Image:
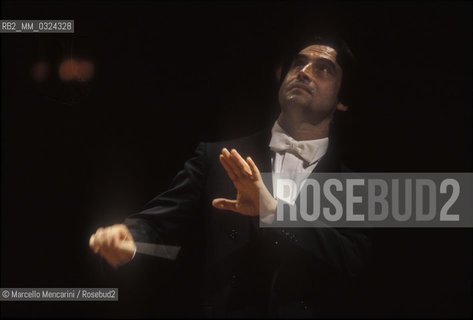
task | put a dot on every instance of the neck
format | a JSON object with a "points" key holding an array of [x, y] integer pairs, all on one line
{"points": [[301, 129]]}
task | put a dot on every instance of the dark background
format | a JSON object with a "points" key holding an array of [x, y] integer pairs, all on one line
{"points": [[76, 156]]}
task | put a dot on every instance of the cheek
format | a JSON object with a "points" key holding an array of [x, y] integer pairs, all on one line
{"points": [[282, 88], [331, 89], [281, 94], [328, 95]]}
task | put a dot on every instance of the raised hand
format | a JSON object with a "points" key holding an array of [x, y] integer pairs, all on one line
{"points": [[247, 180]]}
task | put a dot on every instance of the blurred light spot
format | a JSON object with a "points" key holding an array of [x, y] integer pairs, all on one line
{"points": [[68, 70], [80, 70]]}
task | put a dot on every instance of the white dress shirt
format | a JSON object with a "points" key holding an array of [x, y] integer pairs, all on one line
{"points": [[287, 158]]}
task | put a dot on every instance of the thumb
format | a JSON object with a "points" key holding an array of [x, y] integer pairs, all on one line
{"points": [[225, 204], [127, 246]]}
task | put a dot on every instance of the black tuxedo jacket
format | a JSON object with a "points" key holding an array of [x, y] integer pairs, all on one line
{"points": [[239, 269]]}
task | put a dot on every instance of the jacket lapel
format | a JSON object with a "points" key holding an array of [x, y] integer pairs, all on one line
{"points": [[330, 162]]}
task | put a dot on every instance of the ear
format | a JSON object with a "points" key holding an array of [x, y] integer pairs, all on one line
{"points": [[341, 107]]}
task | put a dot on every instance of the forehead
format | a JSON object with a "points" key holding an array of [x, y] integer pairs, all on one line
{"points": [[320, 51]]}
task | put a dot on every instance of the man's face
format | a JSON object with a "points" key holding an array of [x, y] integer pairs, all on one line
{"points": [[313, 81]]}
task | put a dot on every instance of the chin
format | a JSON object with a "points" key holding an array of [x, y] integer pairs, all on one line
{"points": [[297, 101]]}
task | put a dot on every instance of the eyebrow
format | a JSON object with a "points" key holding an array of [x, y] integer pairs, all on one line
{"points": [[303, 57], [300, 57]]}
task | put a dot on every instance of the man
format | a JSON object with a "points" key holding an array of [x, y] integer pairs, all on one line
{"points": [[245, 270]]}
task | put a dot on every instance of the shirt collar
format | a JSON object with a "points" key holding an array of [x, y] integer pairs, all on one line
{"points": [[317, 148]]}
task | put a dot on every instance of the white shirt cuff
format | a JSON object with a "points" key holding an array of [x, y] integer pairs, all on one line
{"points": [[269, 219]]}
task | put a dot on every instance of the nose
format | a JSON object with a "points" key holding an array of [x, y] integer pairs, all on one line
{"points": [[305, 73]]}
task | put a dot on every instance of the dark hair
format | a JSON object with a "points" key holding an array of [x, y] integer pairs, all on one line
{"points": [[345, 58]]}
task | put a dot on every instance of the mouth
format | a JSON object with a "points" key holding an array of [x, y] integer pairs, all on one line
{"points": [[301, 87]]}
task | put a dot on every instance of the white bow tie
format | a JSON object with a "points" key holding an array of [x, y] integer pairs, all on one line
{"points": [[309, 151]]}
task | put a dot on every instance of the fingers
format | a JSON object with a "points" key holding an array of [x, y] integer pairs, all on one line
{"points": [[227, 167], [114, 239], [234, 162], [231, 163], [254, 169], [92, 243], [107, 237], [225, 204], [97, 240], [240, 163]]}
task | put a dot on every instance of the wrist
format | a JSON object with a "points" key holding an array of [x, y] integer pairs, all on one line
{"points": [[269, 206]]}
